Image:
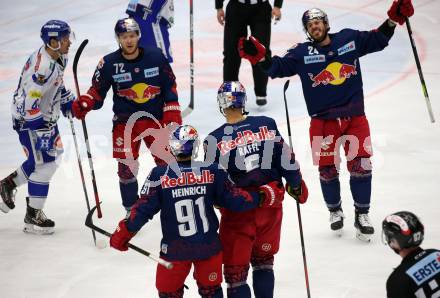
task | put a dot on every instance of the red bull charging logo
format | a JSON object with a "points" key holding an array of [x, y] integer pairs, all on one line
{"points": [[140, 92], [335, 74]]}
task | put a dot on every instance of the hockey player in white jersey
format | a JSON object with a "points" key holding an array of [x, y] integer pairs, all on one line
{"points": [[37, 102]]}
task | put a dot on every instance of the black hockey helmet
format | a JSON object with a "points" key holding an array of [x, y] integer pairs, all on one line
{"points": [[403, 228]]}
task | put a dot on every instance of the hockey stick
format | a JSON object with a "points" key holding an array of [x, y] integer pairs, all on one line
{"points": [[190, 106], [89, 224], [81, 172], [306, 274], [419, 69], [84, 126]]}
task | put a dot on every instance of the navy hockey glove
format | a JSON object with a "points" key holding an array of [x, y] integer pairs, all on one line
{"points": [[44, 139], [272, 194], [251, 49], [120, 238], [66, 108], [299, 193], [400, 10], [67, 99]]}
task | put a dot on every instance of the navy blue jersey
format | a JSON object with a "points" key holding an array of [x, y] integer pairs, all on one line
{"points": [[417, 276], [331, 75], [253, 152], [142, 84], [186, 203]]}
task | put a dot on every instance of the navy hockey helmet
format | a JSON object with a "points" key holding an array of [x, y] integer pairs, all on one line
{"points": [[184, 141], [314, 14], [127, 25], [403, 228], [231, 94], [54, 29]]}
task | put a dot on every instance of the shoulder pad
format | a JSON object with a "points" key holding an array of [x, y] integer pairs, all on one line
{"points": [[43, 69], [100, 63]]}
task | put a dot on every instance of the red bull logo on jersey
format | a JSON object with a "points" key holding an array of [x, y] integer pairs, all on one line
{"points": [[335, 74], [246, 137], [187, 179], [140, 92]]}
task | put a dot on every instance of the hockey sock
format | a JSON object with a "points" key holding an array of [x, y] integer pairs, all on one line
{"points": [[241, 291], [263, 278], [235, 277], [360, 183], [211, 292], [128, 184], [129, 193], [331, 189], [361, 192], [263, 282]]}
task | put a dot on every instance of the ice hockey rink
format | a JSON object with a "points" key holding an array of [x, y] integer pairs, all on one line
{"points": [[406, 153]]}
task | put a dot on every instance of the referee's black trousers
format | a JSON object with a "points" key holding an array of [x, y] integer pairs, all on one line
{"points": [[237, 19]]}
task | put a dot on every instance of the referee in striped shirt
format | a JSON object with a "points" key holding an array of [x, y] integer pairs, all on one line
{"points": [[257, 14]]}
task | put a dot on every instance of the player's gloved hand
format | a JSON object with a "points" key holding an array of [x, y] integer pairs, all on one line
{"points": [[120, 238], [251, 49], [299, 193], [66, 108], [171, 113], [400, 10], [272, 194], [67, 98], [82, 106], [45, 139]]}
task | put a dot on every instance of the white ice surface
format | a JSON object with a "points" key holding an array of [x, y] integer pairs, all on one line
{"points": [[406, 147]]}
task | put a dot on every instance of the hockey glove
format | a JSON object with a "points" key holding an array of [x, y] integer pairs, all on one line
{"points": [[82, 106], [400, 10], [45, 139], [272, 194], [251, 49], [120, 238], [299, 193], [171, 113], [67, 99]]}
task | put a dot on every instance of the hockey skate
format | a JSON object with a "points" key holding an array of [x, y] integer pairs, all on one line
{"points": [[364, 228], [36, 222], [7, 192], [261, 100], [337, 221]]}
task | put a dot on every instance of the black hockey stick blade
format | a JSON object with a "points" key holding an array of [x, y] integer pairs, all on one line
{"points": [[286, 85], [89, 223], [77, 55], [289, 131]]}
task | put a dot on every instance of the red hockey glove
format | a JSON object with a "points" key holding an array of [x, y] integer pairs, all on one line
{"points": [[299, 193], [171, 113], [400, 10], [251, 49], [272, 193], [120, 238], [82, 106]]}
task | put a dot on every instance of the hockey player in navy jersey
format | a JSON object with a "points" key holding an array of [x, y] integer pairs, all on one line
{"points": [[418, 275], [329, 69], [253, 152], [154, 17], [144, 101], [37, 102], [185, 194]]}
